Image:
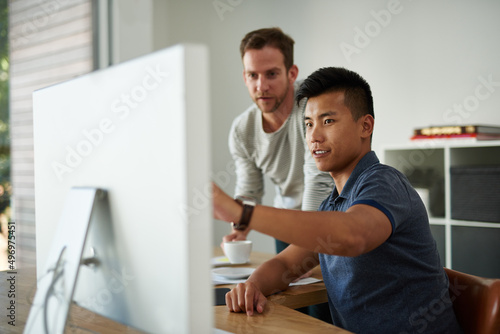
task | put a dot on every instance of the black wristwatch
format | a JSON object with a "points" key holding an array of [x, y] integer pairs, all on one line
{"points": [[248, 205]]}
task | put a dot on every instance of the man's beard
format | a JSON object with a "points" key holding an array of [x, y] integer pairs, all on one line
{"points": [[279, 102]]}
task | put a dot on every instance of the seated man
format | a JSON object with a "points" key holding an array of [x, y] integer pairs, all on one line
{"points": [[371, 236]]}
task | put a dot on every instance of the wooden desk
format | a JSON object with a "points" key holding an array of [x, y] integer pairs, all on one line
{"points": [[275, 319], [278, 317]]}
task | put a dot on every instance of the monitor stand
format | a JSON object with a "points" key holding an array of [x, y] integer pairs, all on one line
{"points": [[56, 285]]}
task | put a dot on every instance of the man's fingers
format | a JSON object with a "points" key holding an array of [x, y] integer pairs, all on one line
{"points": [[232, 302], [229, 237], [232, 237], [249, 301], [226, 238], [260, 302], [245, 297], [229, 302], [241, 291]]}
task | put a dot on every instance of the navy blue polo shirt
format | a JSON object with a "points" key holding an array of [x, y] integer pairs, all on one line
{"points": [[399, 287]]}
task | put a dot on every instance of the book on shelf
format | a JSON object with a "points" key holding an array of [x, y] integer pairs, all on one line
{"points": [[477, 132]]}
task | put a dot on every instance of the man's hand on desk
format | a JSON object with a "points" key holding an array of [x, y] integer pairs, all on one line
{"points": [[246, 297]]}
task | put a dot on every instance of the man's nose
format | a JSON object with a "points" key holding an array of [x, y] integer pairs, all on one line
{"points": [[262, 84], [315, 135]]}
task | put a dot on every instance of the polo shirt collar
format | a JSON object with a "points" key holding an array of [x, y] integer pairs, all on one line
{"points": [[367, 161]]}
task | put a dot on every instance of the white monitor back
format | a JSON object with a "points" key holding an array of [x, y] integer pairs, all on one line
{"points": [[141, 131]]}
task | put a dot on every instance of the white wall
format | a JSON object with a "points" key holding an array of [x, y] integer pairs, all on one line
{"points": [[132, 29], [427, 63]]}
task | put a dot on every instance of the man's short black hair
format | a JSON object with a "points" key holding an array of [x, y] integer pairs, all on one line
{"points": [[357, 93]]}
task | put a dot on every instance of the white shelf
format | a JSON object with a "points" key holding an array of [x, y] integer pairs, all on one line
{"points": [[455, 222], [438, 221], [424, 160], [474, 224]]}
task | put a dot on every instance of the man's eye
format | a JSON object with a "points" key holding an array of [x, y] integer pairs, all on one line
{"points": [[308, 124], [327, 121]]}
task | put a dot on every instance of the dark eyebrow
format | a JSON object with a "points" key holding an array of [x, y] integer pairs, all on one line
{"points": [[274, 69], [323, 115]]}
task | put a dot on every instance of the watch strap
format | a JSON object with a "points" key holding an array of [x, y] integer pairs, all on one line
{"points": [[246, 214]]}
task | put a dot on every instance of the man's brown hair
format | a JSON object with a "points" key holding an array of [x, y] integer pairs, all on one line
{"points": [[273, 37]]}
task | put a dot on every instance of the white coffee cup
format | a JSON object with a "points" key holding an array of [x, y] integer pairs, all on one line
{"points": [[238, 251]]}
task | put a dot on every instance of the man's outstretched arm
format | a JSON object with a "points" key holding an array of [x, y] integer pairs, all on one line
{"points": [[359, 230]]}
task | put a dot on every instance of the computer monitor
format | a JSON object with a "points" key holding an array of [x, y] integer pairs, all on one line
{"points": [[139, 131]]}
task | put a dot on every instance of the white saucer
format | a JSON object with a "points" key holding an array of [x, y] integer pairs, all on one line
{"points": [[224, 261], [233, 273]]}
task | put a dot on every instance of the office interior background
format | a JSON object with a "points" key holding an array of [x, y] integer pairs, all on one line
{"points": [[428, 62]]}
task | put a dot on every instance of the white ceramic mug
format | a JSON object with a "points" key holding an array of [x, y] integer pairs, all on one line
{"points": [[238, 251]]}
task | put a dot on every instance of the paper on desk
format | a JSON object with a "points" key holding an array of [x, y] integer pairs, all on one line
{"points": [[224, 261], [305, 281], [218, 280]]}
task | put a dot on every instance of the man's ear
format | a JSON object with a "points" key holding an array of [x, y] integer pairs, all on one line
{"points": [[293, 73], [367, 123]]}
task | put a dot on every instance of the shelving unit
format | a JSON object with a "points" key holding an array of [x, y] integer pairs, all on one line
{"points": [[466, 245]]}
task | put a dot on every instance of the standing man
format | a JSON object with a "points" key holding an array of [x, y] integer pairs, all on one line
{"points": [[371, 236], [269, 137]]}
